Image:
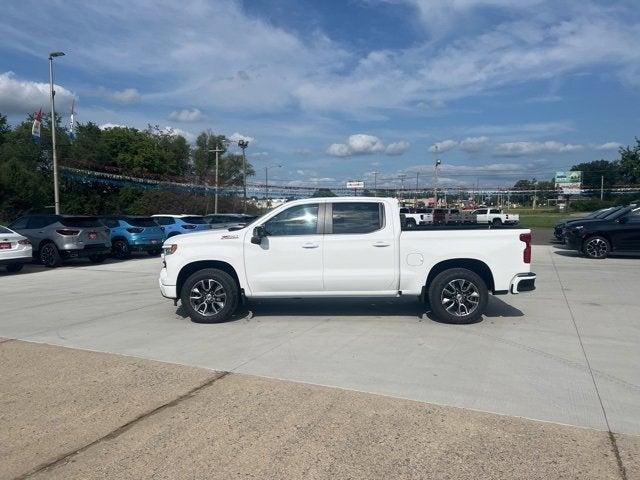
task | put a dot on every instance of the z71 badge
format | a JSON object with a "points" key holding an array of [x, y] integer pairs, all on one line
{"points": [[229, 237]]}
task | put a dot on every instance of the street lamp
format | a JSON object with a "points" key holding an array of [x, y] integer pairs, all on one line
{"points": [[56, 192], [217, 151], [243, 144], [266, 181]]}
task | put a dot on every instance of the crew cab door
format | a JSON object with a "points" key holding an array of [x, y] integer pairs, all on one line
{"points": [[360, 249], [289, 258], [626, 232]]}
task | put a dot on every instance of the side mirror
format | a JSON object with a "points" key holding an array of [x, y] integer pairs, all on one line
{"points": [[258, 234], [623, 220]]}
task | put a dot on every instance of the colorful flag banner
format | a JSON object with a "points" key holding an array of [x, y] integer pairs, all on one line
{"points": [[35, 129], [72, 132]]}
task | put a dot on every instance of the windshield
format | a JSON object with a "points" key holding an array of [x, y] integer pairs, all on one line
{"points": [[80, 222], [613, 213]]}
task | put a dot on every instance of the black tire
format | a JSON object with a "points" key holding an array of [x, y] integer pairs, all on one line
{"points": [[154, 252], [411, 223], [496, 222], [211, 278], [120, 249], [14, 267], [596, 247], [49, 255], [461, 279], [97, 258], [173, 234]]}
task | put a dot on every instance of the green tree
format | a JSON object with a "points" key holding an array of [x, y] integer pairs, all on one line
{"points": [[596, 171], [630, 163]]}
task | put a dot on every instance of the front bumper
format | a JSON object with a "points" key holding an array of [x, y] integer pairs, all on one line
{"points": [[167, 291], [523, 282], [146, 246]]}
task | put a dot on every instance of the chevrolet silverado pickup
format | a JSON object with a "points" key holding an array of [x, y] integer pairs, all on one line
{"points": [[345, 247]]}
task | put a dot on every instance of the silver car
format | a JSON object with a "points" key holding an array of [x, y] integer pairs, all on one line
{"points": [[15, 250], [58, 237]]}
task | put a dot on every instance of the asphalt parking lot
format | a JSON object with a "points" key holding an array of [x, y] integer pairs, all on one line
{"points": [[567, 353]]}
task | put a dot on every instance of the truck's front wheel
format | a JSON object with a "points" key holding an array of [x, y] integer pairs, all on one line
{"points": [[458, 296], [210, 296]]}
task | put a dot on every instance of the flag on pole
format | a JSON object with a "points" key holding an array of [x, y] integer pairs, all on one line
{"points": [[35, 129], [72, 133]]}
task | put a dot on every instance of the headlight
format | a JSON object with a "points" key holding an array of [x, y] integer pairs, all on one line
{"points": [[169, 249]]}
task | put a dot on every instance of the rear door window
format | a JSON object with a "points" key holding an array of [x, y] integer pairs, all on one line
{"points": [[495, 211], [141, 222], [165, 220], [194, 220], [40, 222], [356, 217], [110, 222]]}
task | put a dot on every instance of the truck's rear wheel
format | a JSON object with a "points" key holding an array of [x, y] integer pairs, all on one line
{"points": [[210, 296], [496, 222], [458, 296], [411, 223]]}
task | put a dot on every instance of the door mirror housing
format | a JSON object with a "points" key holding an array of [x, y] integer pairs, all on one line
{"points": [[258, 234]]}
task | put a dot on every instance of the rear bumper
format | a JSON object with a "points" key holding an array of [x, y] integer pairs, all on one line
{"points": [[523, 282], [86, 251], [16, 260]]}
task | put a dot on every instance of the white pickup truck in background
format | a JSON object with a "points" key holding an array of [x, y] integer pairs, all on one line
{"points": [[496, 217], [345, 247]]}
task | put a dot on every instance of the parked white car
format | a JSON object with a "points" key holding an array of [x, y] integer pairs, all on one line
{"points": [[344, 247], [495, 216], [15, 250]]}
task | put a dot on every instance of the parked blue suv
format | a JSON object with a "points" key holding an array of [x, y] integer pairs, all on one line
{"points": [[133, 234], [176, 224]]}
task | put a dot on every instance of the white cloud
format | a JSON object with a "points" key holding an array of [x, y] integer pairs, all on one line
{"points": [[397, 148], [358, 144], [106, 126], [23, 97], [128, 95], [608, 146], [473, 144], [189, 137], [236, 137], [186, 115], [516, 149], [443, 146]]}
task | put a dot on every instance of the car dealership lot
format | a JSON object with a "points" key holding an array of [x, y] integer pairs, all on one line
{"points": [[524, 359]]}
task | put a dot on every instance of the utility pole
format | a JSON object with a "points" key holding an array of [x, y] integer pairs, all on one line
{"points": [[601, 187], [243, 144], [375, 183], [416, 196], [402, 176], [56, 191], [436, 167]]}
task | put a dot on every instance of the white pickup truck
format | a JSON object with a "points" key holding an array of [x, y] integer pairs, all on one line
{"points": [[344, 247], [496, 217]]}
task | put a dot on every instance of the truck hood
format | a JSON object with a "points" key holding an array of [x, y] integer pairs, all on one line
{"points": [[207, 236]]}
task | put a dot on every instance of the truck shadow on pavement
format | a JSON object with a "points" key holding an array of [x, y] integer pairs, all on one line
{"points": [[352, 307]]}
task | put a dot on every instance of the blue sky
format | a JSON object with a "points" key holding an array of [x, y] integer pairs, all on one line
{"points": [[332, 91]]}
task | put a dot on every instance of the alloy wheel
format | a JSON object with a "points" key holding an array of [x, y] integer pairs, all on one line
{"points": [[597, 248], [47, 254], [207, 297], [460, 297]]}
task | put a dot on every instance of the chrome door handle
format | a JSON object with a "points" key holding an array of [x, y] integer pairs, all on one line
{"points": [[310, 245], [381, 244]]}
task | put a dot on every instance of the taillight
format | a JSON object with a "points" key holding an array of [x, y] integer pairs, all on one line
{"points": [[526, 255], [66, 231], [24, 242], [188, 227], [135, 230]]}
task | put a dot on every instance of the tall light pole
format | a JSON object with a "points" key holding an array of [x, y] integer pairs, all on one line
{"points": [[375, 183], [56, 191], [416, 196], [436, 168], [243, 144], [217, 151], [266, 181]]}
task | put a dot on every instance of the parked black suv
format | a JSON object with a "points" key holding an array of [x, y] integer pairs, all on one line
{"points": [[617, 232], [560, 227], [56, 237]]}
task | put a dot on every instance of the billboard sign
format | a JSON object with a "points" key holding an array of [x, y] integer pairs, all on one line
{"points": [[355, 184], [569, 183]]}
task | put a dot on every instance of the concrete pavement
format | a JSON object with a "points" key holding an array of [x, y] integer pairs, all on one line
{"points": [[567, 353], [74, 414]]}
